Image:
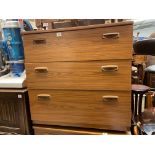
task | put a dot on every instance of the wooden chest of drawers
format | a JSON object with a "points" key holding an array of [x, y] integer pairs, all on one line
{"points": [[80, 77]]}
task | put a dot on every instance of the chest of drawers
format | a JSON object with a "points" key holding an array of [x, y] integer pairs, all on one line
{"points": [[80, 77]]}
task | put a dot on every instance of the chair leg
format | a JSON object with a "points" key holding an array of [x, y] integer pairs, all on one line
{"points": [[140, 104], [136, 100], [132, 105]]}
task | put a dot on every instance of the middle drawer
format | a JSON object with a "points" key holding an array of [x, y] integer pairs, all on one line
{"points": [[91, 75]]}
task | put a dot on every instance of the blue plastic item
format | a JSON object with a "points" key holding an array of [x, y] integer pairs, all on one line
{"points": [[14, 43], [17, 68]]}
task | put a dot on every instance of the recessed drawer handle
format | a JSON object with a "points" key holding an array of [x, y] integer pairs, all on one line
{"points": [[109, 68], [113, 35], [44, 96], [39, 41], [110, 98], [41, 69]]}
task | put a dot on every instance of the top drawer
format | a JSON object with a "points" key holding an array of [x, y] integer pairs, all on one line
{"points": [[79, 45]]}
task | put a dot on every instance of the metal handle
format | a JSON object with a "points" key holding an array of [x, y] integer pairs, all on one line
{"points": [[109, 68], [113, 35], [39, 41], [41, 69], [44, 96], [110, 98]]}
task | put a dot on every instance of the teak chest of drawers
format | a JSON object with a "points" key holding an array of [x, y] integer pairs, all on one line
{"points": [[80, 77]]}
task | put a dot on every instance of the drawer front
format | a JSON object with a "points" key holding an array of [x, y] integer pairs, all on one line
{"points": [[95, 75], [79, 45], [92, 109]]}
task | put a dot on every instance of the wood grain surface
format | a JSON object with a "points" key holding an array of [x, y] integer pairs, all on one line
{"points": [[81, 108], [63, 131], [81, 45], [79, 75]]}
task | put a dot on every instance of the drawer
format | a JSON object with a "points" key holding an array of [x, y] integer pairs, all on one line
{"points": [[79, 45], [72, 131], [95, 75], [90, 109]]}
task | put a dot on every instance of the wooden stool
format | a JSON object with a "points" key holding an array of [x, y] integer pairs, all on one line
{"points": [[137, 95], [138, 91]]}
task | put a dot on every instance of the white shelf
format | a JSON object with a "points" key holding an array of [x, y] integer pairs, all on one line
{"points": [[7, 81]]}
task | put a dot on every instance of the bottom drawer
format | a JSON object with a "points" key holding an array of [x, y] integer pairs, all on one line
{"points": [[88, 109], [75, 131]]}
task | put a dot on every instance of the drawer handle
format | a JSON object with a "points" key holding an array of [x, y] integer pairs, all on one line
{"points": [[44, 96], [110, 98], [41, 69], [39, 41], [109, 68], [113, 35]]}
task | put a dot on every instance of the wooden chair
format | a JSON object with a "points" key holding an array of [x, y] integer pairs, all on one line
{"points": [[138, 92], [140, 117]]}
